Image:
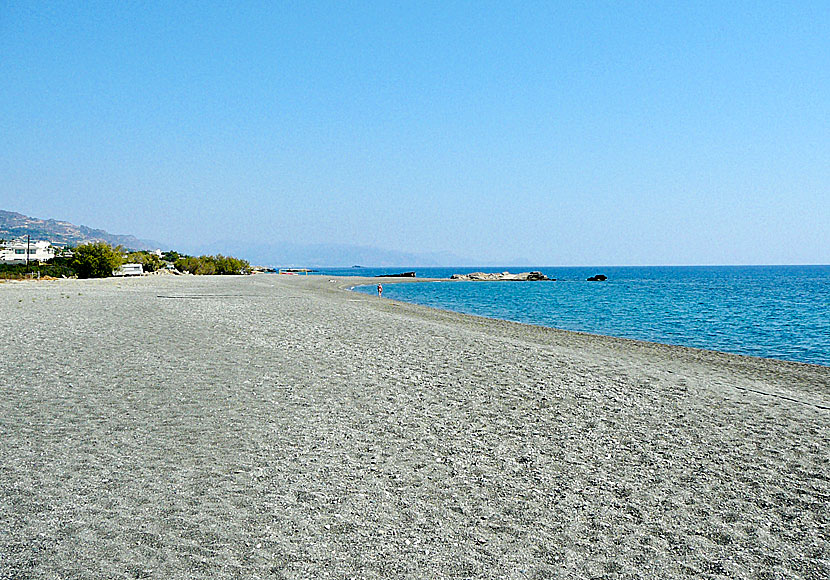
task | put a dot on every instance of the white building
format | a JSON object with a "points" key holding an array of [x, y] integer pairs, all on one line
{"points": [[14, 252]]}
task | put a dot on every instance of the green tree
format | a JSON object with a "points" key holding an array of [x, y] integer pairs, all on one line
{"points": [[201, 266], [213, 265], [96, 260], [150, 262]]}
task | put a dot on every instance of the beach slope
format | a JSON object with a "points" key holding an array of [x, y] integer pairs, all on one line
{"points": [[280, 427]]}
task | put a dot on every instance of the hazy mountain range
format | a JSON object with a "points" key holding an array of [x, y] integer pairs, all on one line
{"points": [[285, 254], [288, 254], [15, 225]]}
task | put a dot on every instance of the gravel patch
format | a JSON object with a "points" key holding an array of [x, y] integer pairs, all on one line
{"points": [[280, 427]]}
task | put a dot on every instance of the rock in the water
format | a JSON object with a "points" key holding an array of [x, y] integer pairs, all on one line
{"points": [[598, 278], [500, 277]]}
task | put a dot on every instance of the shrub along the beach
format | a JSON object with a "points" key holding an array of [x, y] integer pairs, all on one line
{"points": [[96, 260], [218, 264], [18, 271], [150, 262]]}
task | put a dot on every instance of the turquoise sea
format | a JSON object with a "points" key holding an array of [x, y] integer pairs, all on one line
{"points": [[780, 312]]}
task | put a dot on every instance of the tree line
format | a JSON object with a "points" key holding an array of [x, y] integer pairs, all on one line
{"points": [[100, 260]]}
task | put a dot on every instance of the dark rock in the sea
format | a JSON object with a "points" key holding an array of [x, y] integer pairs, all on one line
{"points": [[598, 278], [401, 275]]}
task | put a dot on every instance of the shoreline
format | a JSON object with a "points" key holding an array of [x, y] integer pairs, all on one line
{"points": [[240, 426], [369, 282]]}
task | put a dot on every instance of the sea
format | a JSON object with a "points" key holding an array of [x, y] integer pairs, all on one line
{"points": [[780, 312]]}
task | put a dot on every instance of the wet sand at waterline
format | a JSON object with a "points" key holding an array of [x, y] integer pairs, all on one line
{"points": [[281, 427]]}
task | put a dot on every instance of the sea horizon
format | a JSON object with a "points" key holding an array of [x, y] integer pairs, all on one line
{"points": [[352, 270]]}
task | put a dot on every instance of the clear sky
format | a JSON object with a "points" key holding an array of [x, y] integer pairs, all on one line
{"points": [[558, 133]]}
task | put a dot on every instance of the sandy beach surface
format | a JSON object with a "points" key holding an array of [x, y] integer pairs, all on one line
{"points": [[280, 427]]}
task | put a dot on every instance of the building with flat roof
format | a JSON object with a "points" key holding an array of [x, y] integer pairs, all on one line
{"points": [[19, 252]]}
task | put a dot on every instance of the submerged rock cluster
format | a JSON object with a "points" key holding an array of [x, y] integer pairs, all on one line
{"points": [[500, 276]]}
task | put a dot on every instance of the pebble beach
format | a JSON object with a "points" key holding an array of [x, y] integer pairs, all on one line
{"points": [[282, 427]]}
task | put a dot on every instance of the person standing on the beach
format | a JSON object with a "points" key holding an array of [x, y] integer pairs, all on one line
{"points": [[380, 290]]}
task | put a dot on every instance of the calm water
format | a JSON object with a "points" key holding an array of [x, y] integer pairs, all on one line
{"points": [[778, 312]]}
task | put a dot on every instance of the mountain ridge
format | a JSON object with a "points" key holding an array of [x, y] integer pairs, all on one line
{"points": [[290, 254], [16, 225]]}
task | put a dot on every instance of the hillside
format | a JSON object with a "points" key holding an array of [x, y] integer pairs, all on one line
{"points": [[15, 225]]}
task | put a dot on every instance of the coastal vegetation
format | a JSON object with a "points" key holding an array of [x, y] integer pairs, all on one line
{"points": [[56, 268], [148, 260], [100, 260], [218, 264], [96, 260]]}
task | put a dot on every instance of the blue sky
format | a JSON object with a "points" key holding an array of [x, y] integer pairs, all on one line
{"points": [[549, 133]]}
